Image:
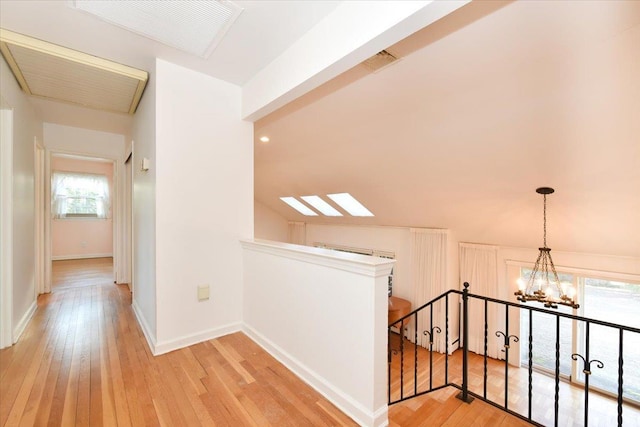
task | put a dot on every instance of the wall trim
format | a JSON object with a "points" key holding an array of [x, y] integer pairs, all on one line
{"points": [[22, 324], [191, 339], [86, 256], [354, 263], [146, 330], [346, 404]]}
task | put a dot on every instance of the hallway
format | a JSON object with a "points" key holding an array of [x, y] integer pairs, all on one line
{"points": [[84, 361], [75, 273]]}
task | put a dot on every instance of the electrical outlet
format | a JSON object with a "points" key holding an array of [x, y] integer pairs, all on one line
{"points": [[203, 292], [83, 244]]}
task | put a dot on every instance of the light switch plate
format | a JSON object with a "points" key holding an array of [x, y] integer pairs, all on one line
{"points": [[203, 292]]}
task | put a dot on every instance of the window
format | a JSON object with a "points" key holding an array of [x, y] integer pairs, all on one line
{"points": [[602, 299], [614, 302], [79, 195], [544, 334]]}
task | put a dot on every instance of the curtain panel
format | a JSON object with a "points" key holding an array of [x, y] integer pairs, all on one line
{"points": [[428, 274], [297, 233], [68, 186], [479, 267]]}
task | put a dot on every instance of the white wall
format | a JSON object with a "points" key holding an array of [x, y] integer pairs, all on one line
{"points": [[27, 125], [204, 204], [91, 143], [392, 239], [324, 315], [144, 213], [268, 224]]}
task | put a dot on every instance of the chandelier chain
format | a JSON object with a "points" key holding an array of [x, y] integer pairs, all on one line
{"points": [[544, 224]]}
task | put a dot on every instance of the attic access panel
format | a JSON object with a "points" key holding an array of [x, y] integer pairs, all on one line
{"points": [[54, 72]]}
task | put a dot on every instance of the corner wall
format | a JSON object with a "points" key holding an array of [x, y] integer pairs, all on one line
{"points": [[323, 314], [27, 126], [203, 166], [144, 213]]}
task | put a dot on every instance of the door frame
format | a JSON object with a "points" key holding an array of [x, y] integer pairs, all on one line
{"points": [[116, 214], [6, 225]]}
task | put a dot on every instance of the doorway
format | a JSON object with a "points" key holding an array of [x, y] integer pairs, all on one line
{"points": [[81, 224]]}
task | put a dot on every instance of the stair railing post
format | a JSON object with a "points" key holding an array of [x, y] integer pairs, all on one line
{"points": [[464, 394]]}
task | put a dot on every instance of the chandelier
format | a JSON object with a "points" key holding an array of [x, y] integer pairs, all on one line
{"points": [[544, 285]]}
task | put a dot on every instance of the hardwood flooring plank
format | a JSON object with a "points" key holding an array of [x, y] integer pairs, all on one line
{"points": [[83, 360]]}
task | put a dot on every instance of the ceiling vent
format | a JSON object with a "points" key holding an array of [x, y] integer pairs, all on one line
{"points": [[57, 73], [379, 61], [194, 27]]}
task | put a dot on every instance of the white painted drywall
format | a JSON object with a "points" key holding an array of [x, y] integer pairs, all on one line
{"points": [[27, 125], [268, 224], [353, 32], [87, 142], [144, 213], [324, 315], [203, 166]]}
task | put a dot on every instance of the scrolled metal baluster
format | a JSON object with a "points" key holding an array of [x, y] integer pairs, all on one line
{"points": [[507, 341], [620, 371], [430, 335], [586, 369]]}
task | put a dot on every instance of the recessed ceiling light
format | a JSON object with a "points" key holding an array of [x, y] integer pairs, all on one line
{"points": [[264, 138], [298, 205], [347, 202], [324, 207], [192, 26]]}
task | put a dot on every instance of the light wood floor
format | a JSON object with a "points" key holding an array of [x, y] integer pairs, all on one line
{"points": [[84, 361], [74, 273], [602, 409]]}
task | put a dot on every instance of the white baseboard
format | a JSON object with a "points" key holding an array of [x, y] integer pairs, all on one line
{"points": [[345, 403], [146, 330], [22, 324], [187, 340], [84, 256]]}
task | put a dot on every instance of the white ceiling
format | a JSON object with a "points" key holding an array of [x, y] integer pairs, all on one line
{"points": [[486, 105], [263, 30]]}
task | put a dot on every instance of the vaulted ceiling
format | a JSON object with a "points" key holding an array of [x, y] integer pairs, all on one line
{"points": [[483, 107]]}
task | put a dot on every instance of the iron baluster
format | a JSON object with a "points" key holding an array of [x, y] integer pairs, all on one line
{"points": [[486, 339], [530, 361], [507, 341], [464, 394], [587, 372], [415, 352], [446, 339], [620, 390], [401, 359], [556, 404], [430, 335]]}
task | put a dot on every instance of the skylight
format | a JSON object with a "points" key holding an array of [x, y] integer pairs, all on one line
{"points": [[298, 205], [347, 202], [195, 27], [324, 207]]}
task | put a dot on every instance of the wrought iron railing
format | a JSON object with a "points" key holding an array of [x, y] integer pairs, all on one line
{"points": [[410, 376]]}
